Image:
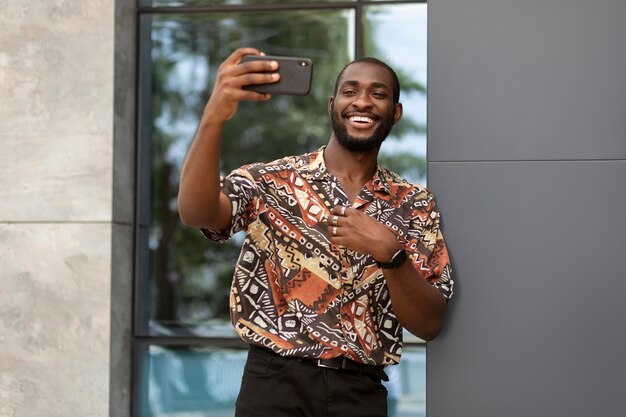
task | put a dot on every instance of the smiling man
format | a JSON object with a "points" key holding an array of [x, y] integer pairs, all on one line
{"points": [[340, 253]]}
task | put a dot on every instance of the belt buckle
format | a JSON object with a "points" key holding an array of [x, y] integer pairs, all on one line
{"points": [[321, 364]]}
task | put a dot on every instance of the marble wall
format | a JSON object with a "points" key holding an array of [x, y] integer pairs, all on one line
{"points": [[55, 319], [59, 236]]}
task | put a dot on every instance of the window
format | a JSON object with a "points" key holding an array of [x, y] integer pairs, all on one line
{"points": [[189, 360]]}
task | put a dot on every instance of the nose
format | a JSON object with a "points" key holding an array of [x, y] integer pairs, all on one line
{"points": [[362, 101]]}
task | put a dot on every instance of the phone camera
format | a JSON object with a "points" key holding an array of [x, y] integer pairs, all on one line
{"points": [[303, 63]]}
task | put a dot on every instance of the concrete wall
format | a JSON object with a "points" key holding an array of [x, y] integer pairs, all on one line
{"points": [[527, 156], [60, 231]]}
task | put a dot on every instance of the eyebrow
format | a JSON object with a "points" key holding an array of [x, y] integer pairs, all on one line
{"points": [[373, 85]]}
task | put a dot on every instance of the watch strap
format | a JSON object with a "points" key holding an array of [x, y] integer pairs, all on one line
{"points": [[396, 261]]}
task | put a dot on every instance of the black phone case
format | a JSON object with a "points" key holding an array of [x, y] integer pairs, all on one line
{"points": [[295, 75]]}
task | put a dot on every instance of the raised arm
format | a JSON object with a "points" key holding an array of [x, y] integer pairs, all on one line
{"points": [[200, 202]]}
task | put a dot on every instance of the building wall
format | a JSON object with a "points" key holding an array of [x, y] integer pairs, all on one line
{"points": [[527, 156], [58, 220]]}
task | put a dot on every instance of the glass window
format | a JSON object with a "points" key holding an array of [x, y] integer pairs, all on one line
{"points": [[189, 361], [189, 381], [204, 381], [397, 35]]}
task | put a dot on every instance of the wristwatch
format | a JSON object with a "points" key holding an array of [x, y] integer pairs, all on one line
{"points": [[396, 261]]}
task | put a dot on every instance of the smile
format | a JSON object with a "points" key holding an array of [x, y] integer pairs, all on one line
{"points": [[360, 119]]}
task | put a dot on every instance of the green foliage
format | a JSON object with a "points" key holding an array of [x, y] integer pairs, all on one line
{"points": [[409, 165]]}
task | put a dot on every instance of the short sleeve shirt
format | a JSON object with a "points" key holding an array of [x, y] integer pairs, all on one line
{"points": [[294, 292]]}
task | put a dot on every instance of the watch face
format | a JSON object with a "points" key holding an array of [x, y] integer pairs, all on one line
{"points": [[396, 261]]}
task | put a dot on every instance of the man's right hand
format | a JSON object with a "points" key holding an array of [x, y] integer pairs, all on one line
{"points": [[231, 77]]}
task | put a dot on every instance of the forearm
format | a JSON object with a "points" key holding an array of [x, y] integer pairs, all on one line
{"points": [[200, 202], [419, 306], [199, 192]]}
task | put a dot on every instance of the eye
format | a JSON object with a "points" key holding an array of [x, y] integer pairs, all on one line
{"points": [[349, 92], [379, 94]]}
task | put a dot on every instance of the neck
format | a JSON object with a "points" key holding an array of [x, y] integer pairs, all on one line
{"points": [[347, 165]]}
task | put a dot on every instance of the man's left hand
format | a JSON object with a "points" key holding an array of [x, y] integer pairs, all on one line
{"points": [[355, 230]]}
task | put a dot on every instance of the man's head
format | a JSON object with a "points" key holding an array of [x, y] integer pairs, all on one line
{"points": [[374, 61], [365, 105]]}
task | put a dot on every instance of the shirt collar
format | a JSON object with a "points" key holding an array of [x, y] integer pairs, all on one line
{"points": [[315, 170], [382, 180]]}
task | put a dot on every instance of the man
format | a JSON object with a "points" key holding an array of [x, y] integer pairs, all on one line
{"points": [[339, 255]]}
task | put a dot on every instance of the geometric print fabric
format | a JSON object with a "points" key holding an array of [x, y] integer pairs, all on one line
{"points": [[294, 292]]}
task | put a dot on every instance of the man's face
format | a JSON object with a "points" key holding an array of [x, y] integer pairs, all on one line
{"points": [[362, 111]]}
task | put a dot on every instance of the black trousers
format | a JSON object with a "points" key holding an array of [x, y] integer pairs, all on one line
{"points": [[274, 386]]}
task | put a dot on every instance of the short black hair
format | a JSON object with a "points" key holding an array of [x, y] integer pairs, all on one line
{"points": [[375, 61]]}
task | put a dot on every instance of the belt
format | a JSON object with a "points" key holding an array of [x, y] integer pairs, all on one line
{"points": [[339, 362]]}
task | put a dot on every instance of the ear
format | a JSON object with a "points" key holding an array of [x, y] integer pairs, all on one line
{"points": [[331, 104], [397, 113]]}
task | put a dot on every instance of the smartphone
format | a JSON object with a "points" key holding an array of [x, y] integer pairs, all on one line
{"points": [[295, 75]]}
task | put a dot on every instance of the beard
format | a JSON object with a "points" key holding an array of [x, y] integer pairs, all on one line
{"points": [[360, 144]]}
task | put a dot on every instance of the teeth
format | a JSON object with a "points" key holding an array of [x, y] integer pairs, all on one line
{"points": [[361, 119]]}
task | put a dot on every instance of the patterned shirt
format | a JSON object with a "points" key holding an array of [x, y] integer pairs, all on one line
{"points": [[296, 294]]}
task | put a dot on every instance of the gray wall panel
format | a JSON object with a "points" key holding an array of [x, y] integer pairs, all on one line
{"points": [[537, 326], [526, 80], [527, 157]]}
